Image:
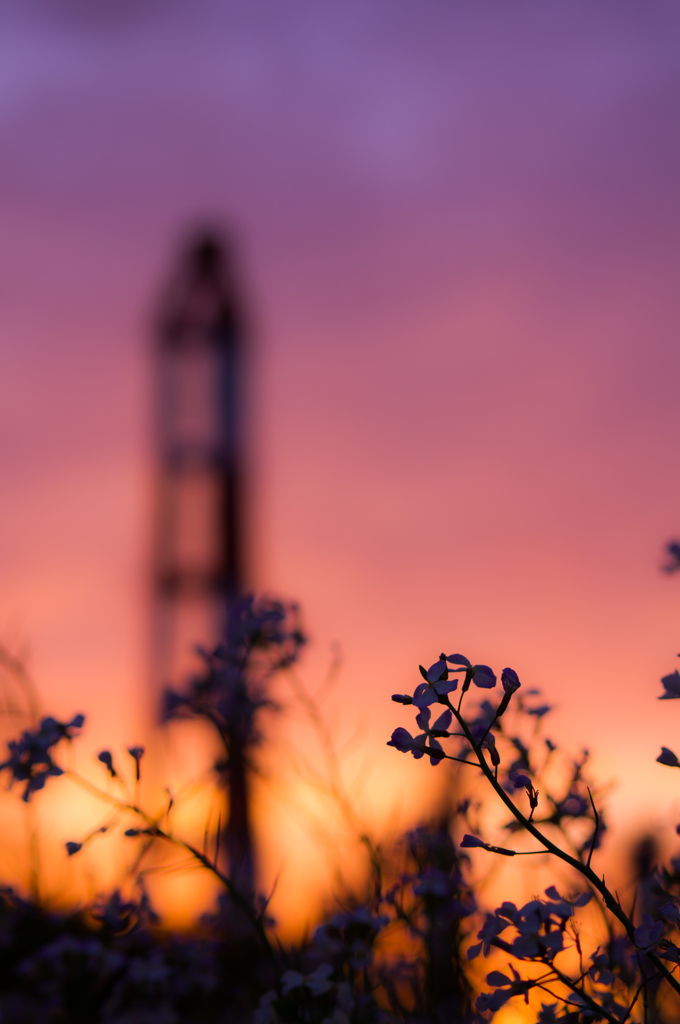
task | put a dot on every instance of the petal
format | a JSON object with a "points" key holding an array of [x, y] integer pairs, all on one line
{"points": [[433, 757], [670, 912], [424, 695], [469, 841], [484, 677], [671, 684], [423, 719], [443, 722], [437, 671], [497, 979], [519, 780], [401, 739], [446, 686]]}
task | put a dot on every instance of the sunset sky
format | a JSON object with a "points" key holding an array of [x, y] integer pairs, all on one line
{"points": [[459, 227]]}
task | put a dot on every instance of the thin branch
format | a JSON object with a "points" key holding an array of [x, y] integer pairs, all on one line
{"points": [[157, 832], [611, 903], [597, 827]]}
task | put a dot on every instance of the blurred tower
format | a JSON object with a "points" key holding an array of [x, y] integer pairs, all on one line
{"points": [[198, 538]]}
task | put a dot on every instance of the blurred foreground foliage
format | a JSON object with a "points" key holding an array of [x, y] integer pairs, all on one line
{"points": [[418, 940]]}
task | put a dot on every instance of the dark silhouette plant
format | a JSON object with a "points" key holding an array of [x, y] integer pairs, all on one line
{"points": [[404, 945]]}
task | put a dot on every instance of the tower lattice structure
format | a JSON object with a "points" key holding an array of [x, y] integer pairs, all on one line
{"points": [[198, 538]]}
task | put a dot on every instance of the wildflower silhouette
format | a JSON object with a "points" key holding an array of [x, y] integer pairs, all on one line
{"points": [[408, 943], [543, 933]]}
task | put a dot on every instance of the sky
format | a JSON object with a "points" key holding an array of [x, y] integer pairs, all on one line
{"points": [[458, 230]]}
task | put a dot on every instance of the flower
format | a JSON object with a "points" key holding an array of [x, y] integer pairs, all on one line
{"points": [[438, 672], [505, 988], [492, 927], [404, 742], [540, 711], [579, 901], [648, 934], [430, 732], [317, 982], [424, 694], [510, 680], [30, 757], [673, 551], [136, 753], [492, 1000], [469, 841], [106, 759], [671, 913], [518, 780], [600, 972], [401, 740], [521, 781], [671, 684], [437, 684]]}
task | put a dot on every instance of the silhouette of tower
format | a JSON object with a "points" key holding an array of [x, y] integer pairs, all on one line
{"points": [[198, 540]]}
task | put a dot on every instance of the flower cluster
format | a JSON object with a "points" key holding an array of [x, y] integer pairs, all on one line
{"points": [[30, 758], [640, 953], [414, 939], [263, 636]]}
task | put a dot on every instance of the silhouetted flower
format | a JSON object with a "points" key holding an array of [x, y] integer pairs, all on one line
{"points": [[106, 759], [521, 781], [30, 757], [673, 551], [492, 1000], [648, 934], [540, 711], [493, 927], [136, 754], [671, 912], [317, 982], [510, 680], [470, 841], [402, 740], [671, 684]]}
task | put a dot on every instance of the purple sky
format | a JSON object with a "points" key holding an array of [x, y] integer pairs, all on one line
{"points": [[460, 235]]}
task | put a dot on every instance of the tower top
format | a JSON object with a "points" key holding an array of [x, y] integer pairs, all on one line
{"points": [[200, 308], [205, 257]]}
